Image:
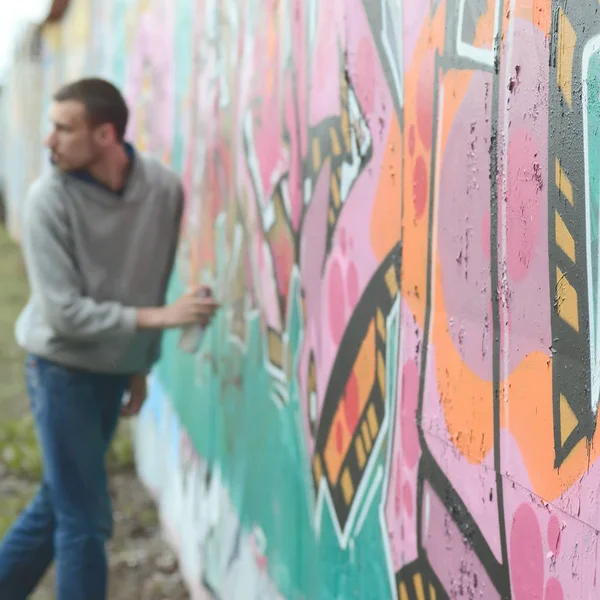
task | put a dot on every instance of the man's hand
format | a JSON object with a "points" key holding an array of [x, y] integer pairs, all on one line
{"points": [[138, 391], [190, 309]]}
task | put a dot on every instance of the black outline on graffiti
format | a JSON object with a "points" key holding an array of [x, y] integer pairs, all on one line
{"points": [[571, 360], [376, 297], [347, 154], [429, 470]]}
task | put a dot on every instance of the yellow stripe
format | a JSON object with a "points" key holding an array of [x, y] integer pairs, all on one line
{"points": [[567, 39], [381, 325], [381, 373], [563, 183], [372, 419], [418, 581], [563, 237], [566, 300], [391, 281], [316, 147], [347, 486], [335, 191], [345, 126], [275, 344], [360, 452], [331, 216], [312, 375], [366, 436], [402, 591], [335, 142], [317, 468]]}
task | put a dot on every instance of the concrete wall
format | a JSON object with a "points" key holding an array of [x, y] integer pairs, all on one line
{"points": [[397, 203]]}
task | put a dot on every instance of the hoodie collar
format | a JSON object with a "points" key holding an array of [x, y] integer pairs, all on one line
{"points": [[85, 176]]}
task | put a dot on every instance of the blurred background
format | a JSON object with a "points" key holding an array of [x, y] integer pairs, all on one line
{"points": [[15, 18]]}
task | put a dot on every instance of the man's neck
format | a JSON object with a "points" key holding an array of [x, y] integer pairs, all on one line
{"points": [[112, 171]]}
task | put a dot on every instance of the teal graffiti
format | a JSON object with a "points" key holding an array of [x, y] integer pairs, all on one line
{"points": [[184, 59], [591, 99], [224, 399]]}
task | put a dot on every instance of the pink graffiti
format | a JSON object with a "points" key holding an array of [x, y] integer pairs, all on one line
{"points": [[150, 77]]}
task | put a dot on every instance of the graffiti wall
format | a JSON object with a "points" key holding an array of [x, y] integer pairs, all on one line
{"points": [[397, 203]]}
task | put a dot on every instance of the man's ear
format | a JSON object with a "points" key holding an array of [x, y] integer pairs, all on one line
{"points": [[106, 134]]}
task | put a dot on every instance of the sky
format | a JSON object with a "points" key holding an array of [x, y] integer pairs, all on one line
{"points": [[12, 14]]}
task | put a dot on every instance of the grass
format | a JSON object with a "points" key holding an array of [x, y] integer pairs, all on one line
{"points": [[20, 461], [13, 295]]}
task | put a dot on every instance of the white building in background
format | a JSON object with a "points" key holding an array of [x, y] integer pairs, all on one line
{"points": [[21, 118], [21, 101]]}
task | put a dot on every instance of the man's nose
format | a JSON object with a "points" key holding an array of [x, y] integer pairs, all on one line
{"points": [[50, 141]]}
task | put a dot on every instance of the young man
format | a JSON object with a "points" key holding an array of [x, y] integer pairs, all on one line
{"points": [[100, 233]]}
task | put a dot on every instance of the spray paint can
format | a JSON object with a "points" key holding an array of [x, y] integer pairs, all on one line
{"points": [[191, 336]]}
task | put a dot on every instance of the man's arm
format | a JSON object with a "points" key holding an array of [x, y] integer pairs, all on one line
{"points": [[155, 349], [56, 280]]}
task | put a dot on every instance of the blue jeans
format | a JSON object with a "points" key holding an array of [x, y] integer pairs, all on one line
{"points": [[70, 519]]}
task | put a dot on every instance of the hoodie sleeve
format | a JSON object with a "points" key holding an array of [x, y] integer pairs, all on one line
{"points": [[155, 348], [55, 278]]}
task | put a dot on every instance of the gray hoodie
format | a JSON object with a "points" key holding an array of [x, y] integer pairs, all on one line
{"points": [[92, 258]]}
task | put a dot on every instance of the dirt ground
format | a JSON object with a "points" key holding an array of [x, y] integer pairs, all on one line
{"points": [[142, 567]]}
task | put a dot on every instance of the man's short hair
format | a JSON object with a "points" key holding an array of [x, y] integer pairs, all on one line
{"points": [[103, 103]]}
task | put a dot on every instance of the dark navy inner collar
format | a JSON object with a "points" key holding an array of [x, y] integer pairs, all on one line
{"points": [[84, 175]]}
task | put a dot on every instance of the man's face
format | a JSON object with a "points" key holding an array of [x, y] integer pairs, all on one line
{"points": [[74, 144]]}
